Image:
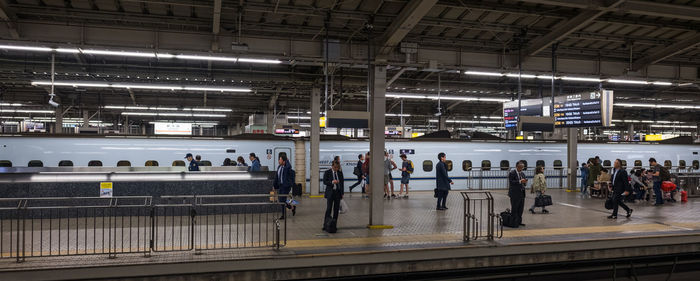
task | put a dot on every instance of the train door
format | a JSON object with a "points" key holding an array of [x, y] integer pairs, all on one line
{"points": [[284, 151]]}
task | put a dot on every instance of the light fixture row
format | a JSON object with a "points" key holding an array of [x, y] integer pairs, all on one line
{"points": [[166, 114], [140, 86], [568, 78], [158, 55], [160, 108]]}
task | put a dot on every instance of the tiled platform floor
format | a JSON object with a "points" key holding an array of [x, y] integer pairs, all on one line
{"points": [[416, 224]]}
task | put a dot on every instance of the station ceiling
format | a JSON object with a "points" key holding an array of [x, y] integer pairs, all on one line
{"points": [[606, 39]]}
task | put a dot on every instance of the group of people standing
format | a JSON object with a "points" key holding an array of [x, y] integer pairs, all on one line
{"points": [[362, 170]]}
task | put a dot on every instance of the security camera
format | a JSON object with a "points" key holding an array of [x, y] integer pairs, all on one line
{"points": [[53, 103]]}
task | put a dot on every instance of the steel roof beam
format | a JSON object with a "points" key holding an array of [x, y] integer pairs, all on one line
{"points": [[562, 30], [410, 15], [684, 12], [9, 18], [667, 52]]}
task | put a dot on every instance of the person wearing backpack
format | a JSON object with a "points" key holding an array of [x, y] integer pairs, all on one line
{"points": [[620, 188], [357, 171], [657, 171], [406, 171]]}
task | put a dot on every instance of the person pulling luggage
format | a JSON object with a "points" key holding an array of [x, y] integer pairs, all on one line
{"points": [[539, 186]]}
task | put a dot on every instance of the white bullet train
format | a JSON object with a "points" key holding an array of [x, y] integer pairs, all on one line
{"points": [[471, 162]]}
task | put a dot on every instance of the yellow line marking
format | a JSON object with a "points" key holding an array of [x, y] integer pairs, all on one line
{"points": [[380, 226], [315, 196]]}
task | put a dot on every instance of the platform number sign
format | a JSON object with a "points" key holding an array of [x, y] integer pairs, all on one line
{"points": [[269, 154], [407, 151]]}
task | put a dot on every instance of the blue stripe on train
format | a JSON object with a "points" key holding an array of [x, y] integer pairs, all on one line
{"points": [[458, 178]]}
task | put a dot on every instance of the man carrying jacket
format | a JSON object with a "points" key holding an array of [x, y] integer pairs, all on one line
{"points": [[620, 188]]}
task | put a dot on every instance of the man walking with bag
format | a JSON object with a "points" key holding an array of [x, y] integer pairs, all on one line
{"points": [[620, 188], [516, 192]]}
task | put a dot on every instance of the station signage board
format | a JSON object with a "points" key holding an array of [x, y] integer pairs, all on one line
{"points": [[165, 128], [592, 109], [528, 107], [286, 131]]}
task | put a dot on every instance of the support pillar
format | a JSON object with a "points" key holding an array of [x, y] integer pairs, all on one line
{"points": [[58, 129], [376, 146], [571, 155], [270, 122], [630, 132], [315, 139], [86, 119], [442, 123]]}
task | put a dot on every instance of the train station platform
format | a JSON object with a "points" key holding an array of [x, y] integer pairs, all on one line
{"points": [[423, 242]]}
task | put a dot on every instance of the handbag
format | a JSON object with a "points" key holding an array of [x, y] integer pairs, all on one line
{"points": [[343, 207], [609, 203], [436, 193], [543, 200]]}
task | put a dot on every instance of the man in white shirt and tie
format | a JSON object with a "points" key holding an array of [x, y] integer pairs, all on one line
{"points": [[335, 189]]}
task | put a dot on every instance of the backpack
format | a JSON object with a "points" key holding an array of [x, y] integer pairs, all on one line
{"points": [[664, 175], [357, 171], [410, 167]]}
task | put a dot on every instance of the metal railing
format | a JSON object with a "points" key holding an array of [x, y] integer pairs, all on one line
{"points": [[688, 181], [68, 226], [480, 220], [479, 179]]}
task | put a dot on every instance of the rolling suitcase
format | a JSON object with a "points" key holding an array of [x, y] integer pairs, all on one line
{"points": [[507, 219]]}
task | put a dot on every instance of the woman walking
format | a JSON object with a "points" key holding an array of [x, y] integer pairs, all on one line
{"points": [[539, 186]]}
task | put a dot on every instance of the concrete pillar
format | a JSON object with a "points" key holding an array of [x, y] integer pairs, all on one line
{"points": [[86, 119], [355, 133], [143, 129], [270, 121], [58, 129], [442, 123], [315, 139], [571, 155], [376, 146], [630, 131]]}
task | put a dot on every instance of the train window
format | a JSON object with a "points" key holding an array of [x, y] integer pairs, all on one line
{"points": [[95, 163], [151, 163], [123, 163], [696, 164], [606, 163], [524, 164], [427, 166], [668, 164], [449, 165], [178, 163], [5, 163], [540, 163], [485, 165], [65, 163], [35, 163], [205, 163], [624, 164], [637, 163], [467, 165], [681, 164], [505, 165], [557, 165]]}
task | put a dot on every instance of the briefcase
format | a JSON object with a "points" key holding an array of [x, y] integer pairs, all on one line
{"points": [[609, 203], [507, 219], [543, 200]]}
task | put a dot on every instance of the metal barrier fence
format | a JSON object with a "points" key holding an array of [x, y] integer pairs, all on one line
{"points": [[690, 182], [478, 179], [480, 220], [67, 226]]}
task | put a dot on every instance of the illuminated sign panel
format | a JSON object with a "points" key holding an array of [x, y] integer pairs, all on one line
{"points": [[584, 110], [163, 128]]}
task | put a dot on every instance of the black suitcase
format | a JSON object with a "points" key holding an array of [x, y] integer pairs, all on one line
{"points": [[296, 190], [507, 219], [543, 200]]}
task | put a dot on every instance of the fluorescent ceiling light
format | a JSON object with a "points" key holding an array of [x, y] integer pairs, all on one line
{"points": [[622, 81], [483, 73], [515, 75], [582, 79], [172, 114], [67, 50], [659, 83], [10, 104], [141, 86], [547, 77], [166, 108], [443, 97], [259, 61], [26, 48], [648, 105], [118, 53], [397, 115], [26, 111], [208, 58], [299, 117]]}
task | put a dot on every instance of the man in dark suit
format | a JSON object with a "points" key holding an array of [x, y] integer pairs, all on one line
{"points": [[334, 181], [283, 182], [516, 192], [442, 182], [620, 188]]}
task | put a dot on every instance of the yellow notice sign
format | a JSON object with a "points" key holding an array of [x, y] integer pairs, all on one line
{"points": [[106, 189], [322, 122]]}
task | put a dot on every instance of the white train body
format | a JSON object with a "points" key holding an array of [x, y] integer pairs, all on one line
{"points": [[19, 150]]}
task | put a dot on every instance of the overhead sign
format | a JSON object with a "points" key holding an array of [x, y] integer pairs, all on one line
{"points": [[286, 131], [164, 128], [592, 109], [529, 107], [393, 131]]}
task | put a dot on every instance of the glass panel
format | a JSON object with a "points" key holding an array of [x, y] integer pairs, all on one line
{"points": [[505, 165], [467, 165], [178, 163], [95, 163], [123, 163], [427, 166], [151, 163], [35, 163], [65, 163], [449, 165], [558, 164], [485, 165]]}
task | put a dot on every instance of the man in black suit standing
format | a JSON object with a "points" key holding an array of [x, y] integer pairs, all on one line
{"points": [[516, 192], [334, 181], [620, 188]]}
